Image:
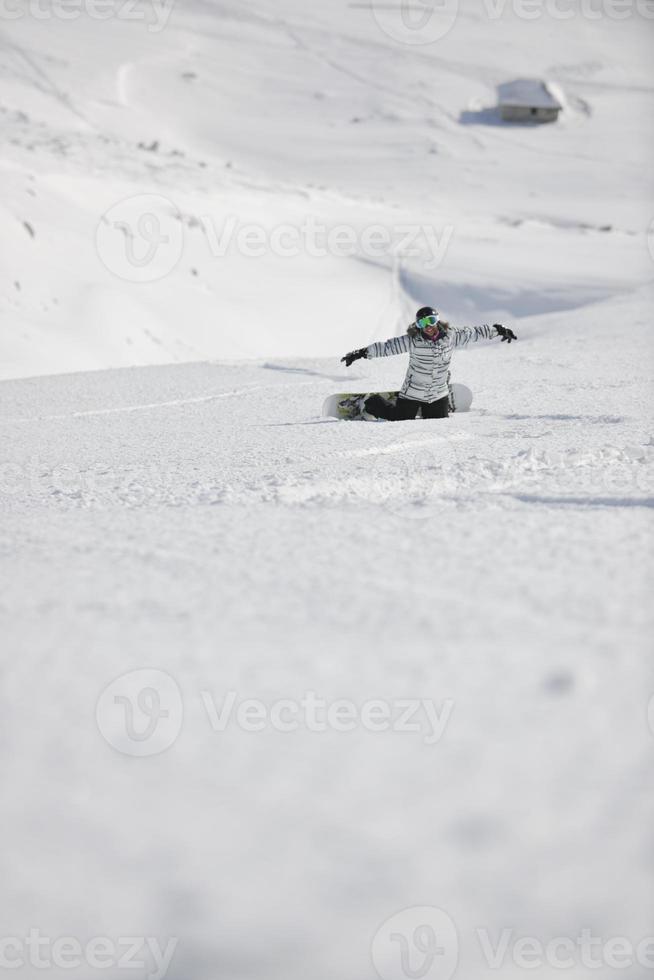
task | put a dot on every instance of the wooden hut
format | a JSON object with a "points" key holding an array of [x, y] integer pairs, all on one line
{"points": [[528, 100]]}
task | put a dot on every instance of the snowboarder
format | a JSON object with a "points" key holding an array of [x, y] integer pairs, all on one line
{"points": [[429, 342]]}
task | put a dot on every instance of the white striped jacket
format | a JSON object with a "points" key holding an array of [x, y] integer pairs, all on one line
{"points": [[429, 361]]}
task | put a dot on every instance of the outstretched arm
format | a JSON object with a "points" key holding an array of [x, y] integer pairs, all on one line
{"points": [[464, 335], [388, 348], [396, 345]]}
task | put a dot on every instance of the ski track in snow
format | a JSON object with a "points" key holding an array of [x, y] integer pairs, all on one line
{"points": [[153, 406]]}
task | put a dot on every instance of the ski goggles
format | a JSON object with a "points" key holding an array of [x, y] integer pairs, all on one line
{"points": [[427, 321]]}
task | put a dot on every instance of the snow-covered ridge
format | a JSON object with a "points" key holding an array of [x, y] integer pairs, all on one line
{"points": [[268, 119]]}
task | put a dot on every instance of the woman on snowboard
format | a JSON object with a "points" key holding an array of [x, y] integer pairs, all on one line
{"points": [[429, 342]]}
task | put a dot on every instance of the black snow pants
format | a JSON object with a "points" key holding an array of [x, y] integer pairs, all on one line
{"points": [[406, 408]]}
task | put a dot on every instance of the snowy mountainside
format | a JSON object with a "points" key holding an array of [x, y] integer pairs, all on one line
{"points": [[273, 115]]}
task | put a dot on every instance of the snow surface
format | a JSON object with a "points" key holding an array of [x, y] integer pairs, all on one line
{"points": [[187, 510]]}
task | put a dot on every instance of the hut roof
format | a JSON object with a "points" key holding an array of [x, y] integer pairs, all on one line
{"points": [[529, 93]]}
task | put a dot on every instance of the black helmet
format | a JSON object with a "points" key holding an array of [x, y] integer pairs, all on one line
{"points": [[423, 314]]}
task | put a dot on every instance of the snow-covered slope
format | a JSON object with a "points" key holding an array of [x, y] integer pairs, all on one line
{"points": [[181, 537], [219, 116], [201, 520]]}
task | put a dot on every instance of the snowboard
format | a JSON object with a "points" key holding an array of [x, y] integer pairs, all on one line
{"points": [[347, 405]]}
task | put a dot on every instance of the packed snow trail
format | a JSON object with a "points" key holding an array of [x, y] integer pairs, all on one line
{"points": [[492, 563]]}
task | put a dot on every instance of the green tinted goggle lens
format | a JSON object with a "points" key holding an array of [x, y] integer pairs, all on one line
{"points": [[428, 321]]}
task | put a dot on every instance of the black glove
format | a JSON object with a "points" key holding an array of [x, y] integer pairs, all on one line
{"points": [[505, 332], [354, 355]]}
